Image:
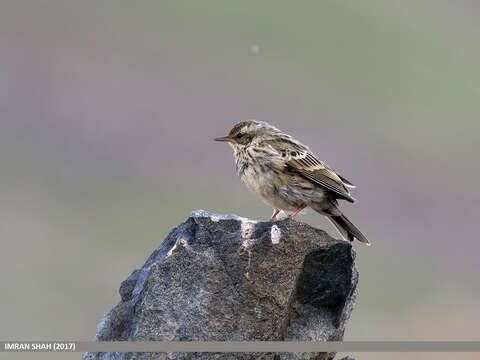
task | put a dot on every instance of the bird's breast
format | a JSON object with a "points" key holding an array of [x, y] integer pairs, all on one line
{"points": [[263, 178]]}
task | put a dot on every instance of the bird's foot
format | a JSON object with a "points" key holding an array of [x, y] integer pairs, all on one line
{"points": [[274, 215], [295, 213]]}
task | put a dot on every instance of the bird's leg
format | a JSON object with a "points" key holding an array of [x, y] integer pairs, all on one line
{"points": [[295, 213], [274, 215]]}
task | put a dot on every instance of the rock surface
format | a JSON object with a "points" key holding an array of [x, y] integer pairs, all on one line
{"points": [[223, 277]]}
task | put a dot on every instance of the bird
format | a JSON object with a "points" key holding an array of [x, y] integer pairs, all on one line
{"points": [[286, 175]]}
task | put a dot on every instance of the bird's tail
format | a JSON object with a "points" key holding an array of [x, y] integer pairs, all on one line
{"points": [[347, 229]]}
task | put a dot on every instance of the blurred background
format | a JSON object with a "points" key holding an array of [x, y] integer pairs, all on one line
{"points": [[107, 114]]}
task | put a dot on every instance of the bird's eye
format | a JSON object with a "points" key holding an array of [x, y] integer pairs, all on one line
{"points": [[239, 136]]}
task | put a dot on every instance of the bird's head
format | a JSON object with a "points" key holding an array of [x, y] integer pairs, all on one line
{"points": [[243, 133]]}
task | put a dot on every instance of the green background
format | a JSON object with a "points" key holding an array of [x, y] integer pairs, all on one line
{"points": [[108, 110]]}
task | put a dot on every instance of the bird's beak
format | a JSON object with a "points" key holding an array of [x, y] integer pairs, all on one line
{"points": [[225, 138]]}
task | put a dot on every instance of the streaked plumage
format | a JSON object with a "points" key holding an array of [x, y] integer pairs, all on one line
{"points": [[287, 175]]}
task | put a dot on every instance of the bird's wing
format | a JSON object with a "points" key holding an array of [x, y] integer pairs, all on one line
{"points": [[346, 182], [300, 159]]}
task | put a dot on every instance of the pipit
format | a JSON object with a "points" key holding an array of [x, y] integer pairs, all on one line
{"points": [[288, 176]]}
